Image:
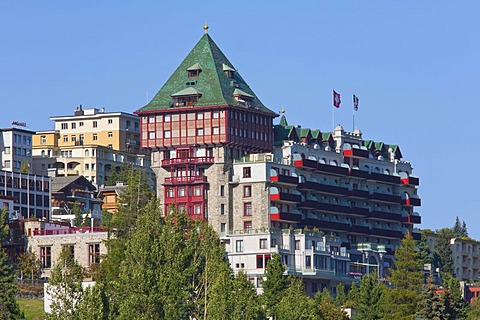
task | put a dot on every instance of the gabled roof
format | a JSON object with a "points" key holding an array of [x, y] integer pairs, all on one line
{"points": [[61, 184], [196, 66], [238, 92], [190, 91], [316, 134], [214, 84]]}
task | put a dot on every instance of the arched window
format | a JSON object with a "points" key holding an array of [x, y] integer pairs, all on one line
{"points": [[87, 153], [43, 153]]}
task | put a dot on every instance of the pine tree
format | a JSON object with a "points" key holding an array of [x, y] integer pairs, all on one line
{"points": [[341, 297], [246, 304], [295, 304], [443, 251], [431, 306], [9, 309], [352, 298], [274, 286], [454, 305], [402, 302], [473, 312], [326, 307], [369, 297], [457, 228]]}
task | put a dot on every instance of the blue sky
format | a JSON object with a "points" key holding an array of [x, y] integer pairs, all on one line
{"points": [[413, 64]]}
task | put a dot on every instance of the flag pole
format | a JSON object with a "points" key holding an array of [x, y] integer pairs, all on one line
{"points": [[353, 113]]}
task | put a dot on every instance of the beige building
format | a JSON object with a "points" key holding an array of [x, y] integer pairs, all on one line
{"points": [[91, 142], [466, 258], [46, 240]]}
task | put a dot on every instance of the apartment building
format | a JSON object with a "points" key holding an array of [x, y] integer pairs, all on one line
{"points": [[16, 148], [218, 156], [466, 259], [92, 143]]}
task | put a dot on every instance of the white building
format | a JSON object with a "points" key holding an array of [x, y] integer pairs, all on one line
{"points": [[16, 148]]}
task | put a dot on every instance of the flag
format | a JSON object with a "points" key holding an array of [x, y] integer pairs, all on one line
{"points": [[355, 102], [336, 99]]}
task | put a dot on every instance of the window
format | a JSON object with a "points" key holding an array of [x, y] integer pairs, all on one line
{"points": [[239, 246], [7, 150], [193, 73], [110, 146], [151, 119], [247, 172], [166, 117], [200, 115], [247, 209], [70, 248], [94, 253], [259, 282], [110, 134], [46, 257], [95, 137], [263, 243], [64, 126], [128, 124], [81, 138], [151, 134], [7, 163], [247, 225], [247, 191], [74, 125], [95, 124], [297, 244], [199, 131], [308, 262], [80, 124], [181, 191], [110, 121], [43, 139], [198, 208], [87, 166], [166, 134], [198, 191], [222, 227], [170, 192], [222, 190], [215, 114], [222, 209], [215, 130], [259, 261], [93, 166], [65, 138]]}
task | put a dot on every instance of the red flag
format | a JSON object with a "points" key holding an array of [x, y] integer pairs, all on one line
{"points": [[336, 99]]}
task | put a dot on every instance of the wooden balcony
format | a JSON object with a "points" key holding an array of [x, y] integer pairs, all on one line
{"points": [[189, 160], [185, 180]]}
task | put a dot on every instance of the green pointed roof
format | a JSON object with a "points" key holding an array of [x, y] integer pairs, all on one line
{"points": [[283, 120], [196, 66], [190, 91], [214, 84]]}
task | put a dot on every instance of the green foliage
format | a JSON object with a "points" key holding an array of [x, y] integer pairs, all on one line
{"points": [[352, 297], [326, 308], [246, 304], [79, 215], [28, 265], [25, 167], [9, 309], [65, 286], [3, 225], [294, 303], [460, 229], [368, 298], [425, 254], [94, 304], [341, 297], [32, 308], [443, 251], [473, 312], [402, 301], [275, 284], [431, 307], [454, 305]]}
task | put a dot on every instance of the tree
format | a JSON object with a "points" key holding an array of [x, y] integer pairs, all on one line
{"points": [[401, 302], [425, 253], [352, 297], [473, 312], [24, 167], [368, 297], [275, 284], [65, 287], [431, 308], [454, 305], [460, 229], [9, 309], [29, 265], [246, 304], [443, 251], [326, 307], [341, 297], [294, 303]]}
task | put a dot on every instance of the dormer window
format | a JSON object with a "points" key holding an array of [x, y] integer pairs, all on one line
{"points": [[228, 71], [187, 97], [243, 98], [194, 70]]}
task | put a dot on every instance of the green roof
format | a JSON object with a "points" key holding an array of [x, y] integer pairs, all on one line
{"points": [[196, 66], [190, 91], [214, 84], [283, 120], [238, 92], [227, 68], [315, 134]]}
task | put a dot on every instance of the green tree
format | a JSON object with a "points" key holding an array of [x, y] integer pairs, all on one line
{"points": [[431, 308], [460, 229], [425, 253], [341, 297], [402, 301], [94, 304], [65, 287], [454, 305], [25, 167], [9, 309], [246, 304], [28, 265], [274, 286], [443, 251], [352, 297], [326, 307], [473, 312], [368, 298], [294, 303]]}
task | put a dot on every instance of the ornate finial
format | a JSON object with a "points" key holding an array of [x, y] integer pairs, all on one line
{"points": [[283, 110], [205, 27]]}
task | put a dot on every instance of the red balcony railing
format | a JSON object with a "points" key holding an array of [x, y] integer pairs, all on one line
{"points": [[193, 160], [185, 179], [61, 231], [410, 180]]}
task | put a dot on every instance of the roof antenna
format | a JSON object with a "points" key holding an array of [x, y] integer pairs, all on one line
{"points": [[205, 26]]}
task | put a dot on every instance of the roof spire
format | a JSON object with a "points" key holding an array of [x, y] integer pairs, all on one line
{"points": [[205, 26]]}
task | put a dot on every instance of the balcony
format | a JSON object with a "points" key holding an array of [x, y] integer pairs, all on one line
{"points": [[356, 153], [387, 233], [315, 186], [313, 165], [412, 218], [63, 231], [189, 160], [359, 229], [385, 197], [284, 179], [385, 177], [286, 217], [414, 181], [359, 173], [286, 197], [382, 215], [321, 206], [360, 211], [182, 180], [327, 225], [357, 193], [412, 202]]}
